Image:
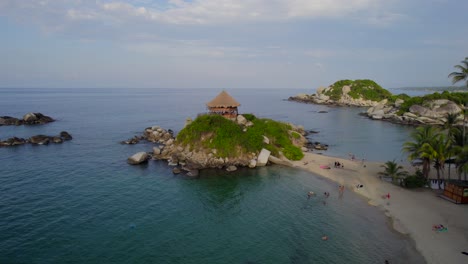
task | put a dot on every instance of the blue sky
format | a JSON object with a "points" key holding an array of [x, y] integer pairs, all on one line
{"points": [[229, 43]]}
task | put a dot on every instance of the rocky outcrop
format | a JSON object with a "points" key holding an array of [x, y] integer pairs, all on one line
{"points": [[138, 158], [278, 161], [132, 141], [28, 119], [263, 157], [189, 161], [36, 140], [343, 94], [431, 113]]}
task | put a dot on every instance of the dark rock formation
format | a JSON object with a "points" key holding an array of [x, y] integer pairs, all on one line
{"points": [[28, 119], [65, 135], [36, 140]]}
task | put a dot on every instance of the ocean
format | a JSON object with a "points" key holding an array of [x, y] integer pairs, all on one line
{"points": [[80, 202]]}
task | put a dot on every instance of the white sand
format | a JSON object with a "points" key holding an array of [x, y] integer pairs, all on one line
{"points": [[414, 212]]}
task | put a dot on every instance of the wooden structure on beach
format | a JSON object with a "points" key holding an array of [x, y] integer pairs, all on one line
{"points": [[456, 191], [223, 105]]}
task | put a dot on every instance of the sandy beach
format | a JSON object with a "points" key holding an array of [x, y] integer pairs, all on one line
{"points": [[413, 212]]}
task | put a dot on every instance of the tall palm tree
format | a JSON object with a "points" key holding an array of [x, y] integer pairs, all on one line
{"points": [[421, 136], [437, 151], [462, 161], [392, 169], [449, 126], [462, 75], [459, 140]]}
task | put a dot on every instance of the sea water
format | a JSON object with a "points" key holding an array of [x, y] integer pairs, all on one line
{"points": [[80, 202]]}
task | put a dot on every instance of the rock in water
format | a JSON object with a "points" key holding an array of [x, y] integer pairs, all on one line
{"points": [[138, 158], [65, 135], [57, 139], [263, 157], [39, 140], [252, 163], [231, 168], [30, 117]]}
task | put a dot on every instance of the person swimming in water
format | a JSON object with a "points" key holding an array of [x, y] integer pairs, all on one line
{"points": [[310, 194]]}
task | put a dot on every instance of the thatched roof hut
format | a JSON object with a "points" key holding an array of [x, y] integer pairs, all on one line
{"points": [[224, 105]]}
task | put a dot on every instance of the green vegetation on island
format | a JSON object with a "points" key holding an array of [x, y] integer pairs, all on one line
{"points": [[456, 97], [231, 139], [366, 89]]}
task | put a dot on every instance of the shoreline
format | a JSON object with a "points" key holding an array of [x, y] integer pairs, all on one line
{"points": [[412, 212]]}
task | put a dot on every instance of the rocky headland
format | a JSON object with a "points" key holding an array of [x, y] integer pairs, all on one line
{"points": [[212, 141], [28, 119], [36, 140], [433, 109]]}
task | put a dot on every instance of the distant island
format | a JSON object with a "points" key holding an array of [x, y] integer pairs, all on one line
{"points": [[431, 109]]}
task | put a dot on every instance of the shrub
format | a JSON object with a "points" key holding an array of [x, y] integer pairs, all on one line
{"points": [[249, 117], [293, 153], [415, 181]]}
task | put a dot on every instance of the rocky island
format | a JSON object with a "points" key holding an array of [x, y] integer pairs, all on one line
{"points": [[36, 140], [28, 119], [432, 109], [224, 139]]}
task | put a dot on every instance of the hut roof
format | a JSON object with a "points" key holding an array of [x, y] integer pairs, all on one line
{"points": [[223, 100]]}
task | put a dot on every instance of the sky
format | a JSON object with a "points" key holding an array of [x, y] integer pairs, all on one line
{"points": [[230, 43]]}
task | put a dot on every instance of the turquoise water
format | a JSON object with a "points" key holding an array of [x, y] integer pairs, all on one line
{"points": [[79, 202]]}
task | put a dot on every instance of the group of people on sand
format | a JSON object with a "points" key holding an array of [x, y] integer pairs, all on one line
{"points": [[439, 228], [338, 164]]}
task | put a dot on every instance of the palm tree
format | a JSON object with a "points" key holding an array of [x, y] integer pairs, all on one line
{"points": [[449, 126], [437, 151], [393, 170], [462, 75], [462, 161], [421, 136]]}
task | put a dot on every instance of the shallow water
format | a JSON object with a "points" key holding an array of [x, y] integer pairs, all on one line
{"points": [[79, 202]]}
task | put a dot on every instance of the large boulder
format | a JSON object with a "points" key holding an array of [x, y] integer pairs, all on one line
{"points": [[29, 117], [138, 158], [36, 118], [241, 120], [399, 102], [65, 135], [262, 159], [9, 121], [252, 163], [231, 168], [279, 161]]}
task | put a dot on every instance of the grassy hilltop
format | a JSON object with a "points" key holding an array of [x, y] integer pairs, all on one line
{"points": [[231, 139]]}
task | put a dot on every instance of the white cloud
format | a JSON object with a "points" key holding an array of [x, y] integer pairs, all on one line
{"points": [[200, 11]]}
